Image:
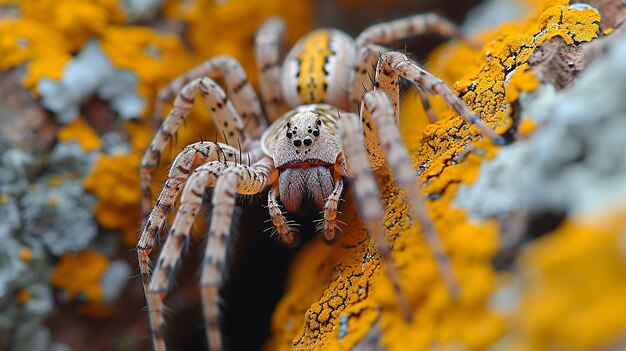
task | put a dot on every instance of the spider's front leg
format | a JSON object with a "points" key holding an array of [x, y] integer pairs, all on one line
{"points": [[397, 156], [393, 64], [236, 179], [191, 156], [368, 200], [191, 204], [368, 53]]}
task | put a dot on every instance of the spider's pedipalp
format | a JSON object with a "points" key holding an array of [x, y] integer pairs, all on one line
{"points": [[368, 200], [400, 163], [286, 232], [267, 53]]}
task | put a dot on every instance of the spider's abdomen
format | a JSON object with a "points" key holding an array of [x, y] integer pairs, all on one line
{"points": [[305, 189], [317, 69]]}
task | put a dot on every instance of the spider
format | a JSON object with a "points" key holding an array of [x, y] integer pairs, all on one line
{"points": [[333, 107]]}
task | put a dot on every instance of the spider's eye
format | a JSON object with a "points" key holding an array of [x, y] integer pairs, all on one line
{"points": [[297, 142], [288, 135], [307, 141], [288, 125], [319, 122], [316, 132]]}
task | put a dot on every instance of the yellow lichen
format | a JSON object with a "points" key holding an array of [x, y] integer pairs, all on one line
{"points": [[114, 180], [574, 287], [82, 133], [26, 254], [23, 296], [338, 294], [49, 32], [79, 274]]}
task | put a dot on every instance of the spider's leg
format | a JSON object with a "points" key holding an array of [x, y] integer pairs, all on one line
{"points": [[368, 199], [267, 53], [387, 32], [191, 204], [393, 63], [287, 234], [432, 116], [239, 90], [330, 211], [400, 163], [191, 156], [224, 116], [363, 72], [241, 179]]}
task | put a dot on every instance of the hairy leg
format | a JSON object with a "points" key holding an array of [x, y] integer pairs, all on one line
{"points": [[224, 116], [239, 90], [236, 179], [368, 53], [404, 173], [267, 53], [191, 204], [368, 200], [199, 153], [393, 64]]}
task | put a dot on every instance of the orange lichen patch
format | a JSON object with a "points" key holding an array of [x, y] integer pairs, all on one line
{"points": [[48, 32], [24, 40], [114, 180], [208, 19], [527, 127], [26, 254], [523, 79], [574, 287], [80, 131], [23, 296], [156, 58], [338, 294], [79, 274]]}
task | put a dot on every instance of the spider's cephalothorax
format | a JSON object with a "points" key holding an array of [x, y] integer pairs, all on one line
{"points": [[333, 107], [305, 151]]}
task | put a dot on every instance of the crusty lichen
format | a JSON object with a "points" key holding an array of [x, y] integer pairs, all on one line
{"points": [[338, 294]]}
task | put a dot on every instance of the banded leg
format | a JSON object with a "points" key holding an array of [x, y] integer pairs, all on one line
{"points": [[191, 204], [329, 225], [393, 63], [239, 90], [188, 159], [387, 32], [368, 200], [404, 173], [224, 116], [267, 53], [287, 234], [236, 179]]}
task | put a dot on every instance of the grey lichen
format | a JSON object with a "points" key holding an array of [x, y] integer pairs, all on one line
{"points": [[575, 162], [91, 73]]}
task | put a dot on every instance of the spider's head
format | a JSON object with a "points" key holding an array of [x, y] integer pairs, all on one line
{"points": [[304, 140]]}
